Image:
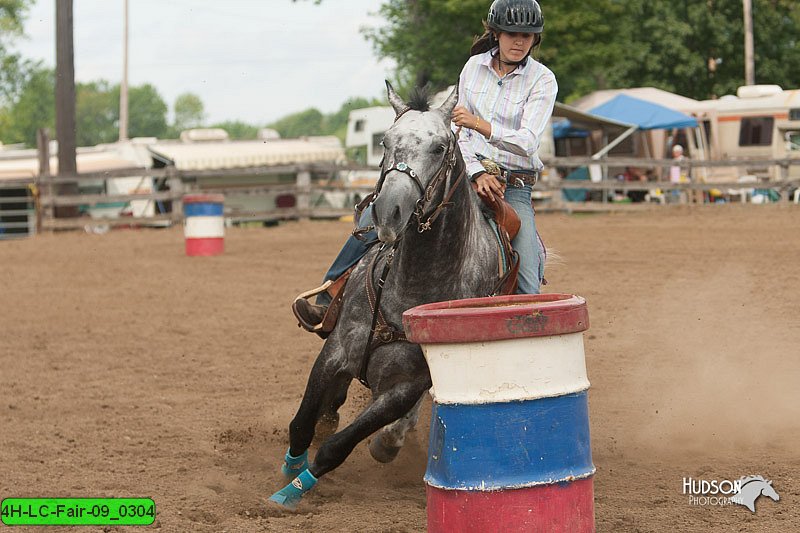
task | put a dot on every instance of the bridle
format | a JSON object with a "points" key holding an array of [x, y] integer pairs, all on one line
{"points": [[423, 203]]}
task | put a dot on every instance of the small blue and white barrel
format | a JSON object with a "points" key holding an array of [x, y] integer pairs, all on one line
{"points": [[204, 224], [509, 445]]}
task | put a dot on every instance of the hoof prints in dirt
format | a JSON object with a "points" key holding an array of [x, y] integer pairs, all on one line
{"points": [[237, 437], [202, 516]]}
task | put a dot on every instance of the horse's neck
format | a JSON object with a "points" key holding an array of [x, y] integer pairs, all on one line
{"points": [[441, 252]]}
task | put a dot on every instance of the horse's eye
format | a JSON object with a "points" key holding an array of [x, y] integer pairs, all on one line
{"points": [[439, 149]]}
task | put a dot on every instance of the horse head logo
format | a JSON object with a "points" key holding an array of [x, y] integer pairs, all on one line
{"points": [[751, 487]]}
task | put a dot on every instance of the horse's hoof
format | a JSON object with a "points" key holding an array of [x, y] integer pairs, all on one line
{"points": [[290, 495], [382, 453], [326, 426]]}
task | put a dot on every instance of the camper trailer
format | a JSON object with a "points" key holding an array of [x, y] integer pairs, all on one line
{"points": [[760, 122]]}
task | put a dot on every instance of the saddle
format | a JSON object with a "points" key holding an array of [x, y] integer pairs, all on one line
{"points": [[508, 224]]}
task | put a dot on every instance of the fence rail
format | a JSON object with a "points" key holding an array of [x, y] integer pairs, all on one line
{"points": [[180, 182]]}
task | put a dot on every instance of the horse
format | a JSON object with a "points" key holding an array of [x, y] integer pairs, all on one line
{"points": [[751, 487], [435, 245]]}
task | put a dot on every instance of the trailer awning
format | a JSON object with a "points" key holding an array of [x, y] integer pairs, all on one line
{"points": [[236, 154]]}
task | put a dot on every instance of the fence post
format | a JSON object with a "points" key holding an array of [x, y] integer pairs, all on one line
{"points": [[303, 193], [43, 178], [176, 191]]}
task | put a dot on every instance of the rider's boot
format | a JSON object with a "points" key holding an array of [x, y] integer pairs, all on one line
{"points": [[310, 315]]}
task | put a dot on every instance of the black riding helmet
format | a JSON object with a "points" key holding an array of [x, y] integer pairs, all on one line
{"points": [[516, 16]]}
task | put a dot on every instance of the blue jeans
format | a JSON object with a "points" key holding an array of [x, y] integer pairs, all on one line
{"points": [[526, 243], [350, 254]]}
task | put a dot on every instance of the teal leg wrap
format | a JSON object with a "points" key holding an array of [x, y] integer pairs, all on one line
{"points": [[290, 495], [294, 465]]}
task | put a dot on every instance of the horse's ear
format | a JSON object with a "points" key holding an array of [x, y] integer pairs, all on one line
{"points": [[446, 109], [397, 103]]}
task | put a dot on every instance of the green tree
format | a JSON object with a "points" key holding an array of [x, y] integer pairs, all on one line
{"points": [[428, 39], [13, 69], [308, 122], [148, 112], [692, 47], [96, 114], [33, 108], [336, 123], [188, 112], [238, 130]]}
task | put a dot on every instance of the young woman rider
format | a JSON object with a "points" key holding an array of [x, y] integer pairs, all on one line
{"points": [[505, 101]]}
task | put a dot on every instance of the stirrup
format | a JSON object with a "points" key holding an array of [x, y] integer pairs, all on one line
{"points": [[313, 328]]}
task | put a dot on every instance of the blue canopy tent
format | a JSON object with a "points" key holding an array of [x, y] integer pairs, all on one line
{"points": [[646, 115], [637, 114]]}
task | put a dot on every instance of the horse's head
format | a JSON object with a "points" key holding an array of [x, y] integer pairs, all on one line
{"points": [[415, 150]]}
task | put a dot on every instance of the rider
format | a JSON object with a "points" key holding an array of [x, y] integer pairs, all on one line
{"points": [[505, 101]]}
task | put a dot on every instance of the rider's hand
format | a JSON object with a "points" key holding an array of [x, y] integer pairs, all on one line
{"points": [[488, 184], [462, 117]]}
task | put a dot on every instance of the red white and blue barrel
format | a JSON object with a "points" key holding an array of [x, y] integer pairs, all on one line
{"points": [[204, 224], [509, 445]]}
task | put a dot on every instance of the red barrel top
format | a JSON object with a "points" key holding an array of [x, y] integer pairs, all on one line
{"points": [[204, 199], [496, 318]]}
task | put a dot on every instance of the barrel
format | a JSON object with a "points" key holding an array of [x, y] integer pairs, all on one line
{"points": [[204, 226], [509, 446]]}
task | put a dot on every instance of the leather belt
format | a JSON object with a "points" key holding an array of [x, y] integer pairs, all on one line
{"points": [[520, 179]]}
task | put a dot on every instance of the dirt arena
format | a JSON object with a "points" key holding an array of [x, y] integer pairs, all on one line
{"points": [[130, 370]]}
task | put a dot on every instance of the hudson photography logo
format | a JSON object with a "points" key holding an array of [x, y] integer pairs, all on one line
{"points": [[743, 491]]}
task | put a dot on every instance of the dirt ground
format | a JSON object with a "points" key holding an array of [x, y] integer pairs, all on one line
{"points": [[130, 370]]}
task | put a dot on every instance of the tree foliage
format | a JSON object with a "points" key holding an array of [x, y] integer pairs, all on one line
{"points": [[314, 122], [96, 110], [692, 47], [189, 112], [238, 129], [33, 107]]}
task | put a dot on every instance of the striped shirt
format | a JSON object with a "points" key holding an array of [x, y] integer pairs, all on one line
{"points": [[518, 107]]}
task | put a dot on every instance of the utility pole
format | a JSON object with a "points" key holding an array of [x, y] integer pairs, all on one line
{"points": [[65, 103], [749, 53], [123, 88]]}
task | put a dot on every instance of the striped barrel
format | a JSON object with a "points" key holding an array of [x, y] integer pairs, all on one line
{"points": [[204, 226], [509, 445]]}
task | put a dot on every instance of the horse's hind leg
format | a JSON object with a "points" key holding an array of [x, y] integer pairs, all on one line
{"points": [[388, 441]]}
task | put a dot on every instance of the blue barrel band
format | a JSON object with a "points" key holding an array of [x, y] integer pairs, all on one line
{"points": [[497, 446], [202, 209]]}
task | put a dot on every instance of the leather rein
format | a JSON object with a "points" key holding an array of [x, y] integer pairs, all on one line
{"points": [[381, 332]]}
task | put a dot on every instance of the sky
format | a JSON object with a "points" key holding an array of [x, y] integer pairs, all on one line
{"points": [[250, 60]]}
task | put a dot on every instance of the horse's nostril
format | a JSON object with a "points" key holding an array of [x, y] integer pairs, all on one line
{"points": [[396, 214]]}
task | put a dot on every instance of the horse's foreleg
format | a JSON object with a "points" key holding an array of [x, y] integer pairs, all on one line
{"points": [[388, 441], [301, 428], [328, 419], [388, 407]]}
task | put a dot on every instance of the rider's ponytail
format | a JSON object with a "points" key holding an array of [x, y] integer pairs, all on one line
{"points": [[484, 43]]}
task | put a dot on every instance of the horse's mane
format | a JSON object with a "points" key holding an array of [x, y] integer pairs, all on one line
{"points": [[419, 99]]}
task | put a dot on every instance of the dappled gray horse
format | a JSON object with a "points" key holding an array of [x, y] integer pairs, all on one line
{"points": [[439, 247]]}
